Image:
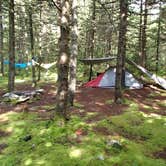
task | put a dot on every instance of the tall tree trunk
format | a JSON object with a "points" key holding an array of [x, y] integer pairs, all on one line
{"points": [[158, 38], [40, 44], [1, 39], [92, 36], [11, 75], [63, 60], [140, 33], [143, 54], [32, 46], [121, 50], [74, 52]]}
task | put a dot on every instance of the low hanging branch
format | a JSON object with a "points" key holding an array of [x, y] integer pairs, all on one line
{"points": [[56, 5]]}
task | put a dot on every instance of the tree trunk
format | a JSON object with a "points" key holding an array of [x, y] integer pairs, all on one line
{"points": [[74, 52], [143, 54], [63, 60], [1, 39], [40, 44], [92, 36], [121, 50], [32, 47], [158, 38], [11, 76], [140, 33]]}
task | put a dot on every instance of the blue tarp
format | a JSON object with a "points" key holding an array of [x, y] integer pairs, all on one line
{"points": [[6, 62], [19, 65]]}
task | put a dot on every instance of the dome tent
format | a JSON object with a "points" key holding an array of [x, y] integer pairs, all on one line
{"points": [[107, 80], [103, 80]]}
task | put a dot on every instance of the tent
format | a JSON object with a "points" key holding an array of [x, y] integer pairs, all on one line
{"points": [[129, 77], [107, 80]]}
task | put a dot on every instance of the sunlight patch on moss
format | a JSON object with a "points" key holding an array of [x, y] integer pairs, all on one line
{"points": [[47, 107], [111, 101], [6, 116], [90, 115], [78, 105], [75, 152], [162, 103], [133, 107], [48, 144], [28, 162]]}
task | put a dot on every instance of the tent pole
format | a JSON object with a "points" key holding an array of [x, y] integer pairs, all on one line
{"points": [[90, 72]]}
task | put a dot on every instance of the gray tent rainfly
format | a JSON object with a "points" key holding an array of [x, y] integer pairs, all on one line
{"points": [[158, 80], [90, 61]]}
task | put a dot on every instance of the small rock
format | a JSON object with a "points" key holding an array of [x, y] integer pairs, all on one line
{"points": [[115, 144], [27, 138], [33, 146], [100, 157]]}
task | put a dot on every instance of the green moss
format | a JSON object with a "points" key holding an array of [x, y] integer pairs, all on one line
{"points": [[49, 107], [111, 101], [78, 105], [162, 103], [139, 134]]}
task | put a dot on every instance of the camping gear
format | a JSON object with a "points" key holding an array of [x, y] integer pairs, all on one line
{"points": [[107, 80], [158, 80], [46, 66], [19, 65]]}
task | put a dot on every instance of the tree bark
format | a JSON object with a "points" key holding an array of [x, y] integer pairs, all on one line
{"points": [[40, 44], [121, 50], [140, 33], [32, 46], [92, 36], [63, 60], [144, 40], [158, 39], [1, 39], [11, 75], [74, 52]]}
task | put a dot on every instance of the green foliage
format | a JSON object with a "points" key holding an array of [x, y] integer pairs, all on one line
{"points": [[3, 82]]}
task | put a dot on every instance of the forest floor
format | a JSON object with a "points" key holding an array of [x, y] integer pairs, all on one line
{"points": [[100, 132]]}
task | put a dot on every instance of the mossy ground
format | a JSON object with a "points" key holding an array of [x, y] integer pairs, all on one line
{"points": [[54, 142], [31, 140]]}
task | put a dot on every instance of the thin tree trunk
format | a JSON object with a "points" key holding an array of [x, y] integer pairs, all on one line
{"points": [[74, 52], [144, 40], [40, 45], [1, 39], [11, 75], [63, 60], [32, 46], [140, 33], [92, 36], [109, 44], [124, 43], [121, 50], [158, 39]]}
